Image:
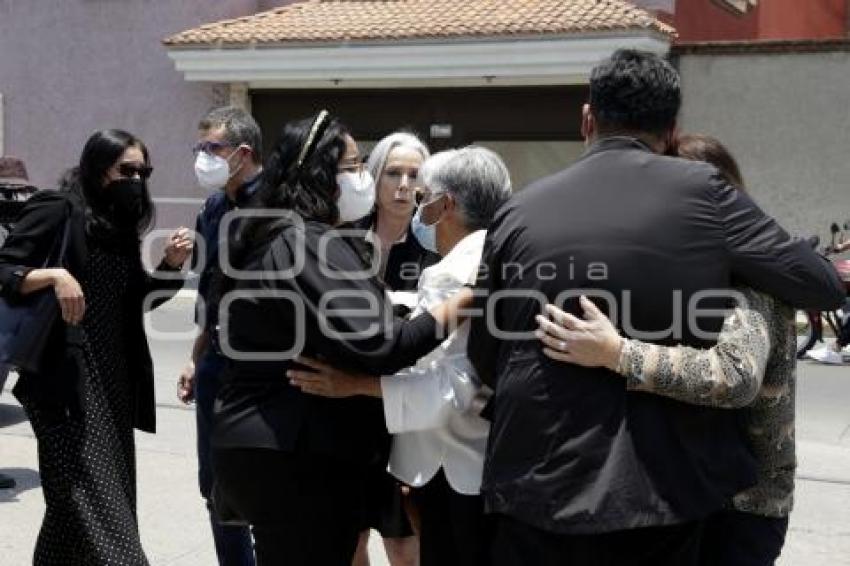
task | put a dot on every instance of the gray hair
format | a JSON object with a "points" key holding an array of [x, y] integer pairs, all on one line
{"points": [[475, 176], [380, 153], [240, 128]]}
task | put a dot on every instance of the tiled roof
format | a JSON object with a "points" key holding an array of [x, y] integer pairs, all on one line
{"points": [[333, 21]]}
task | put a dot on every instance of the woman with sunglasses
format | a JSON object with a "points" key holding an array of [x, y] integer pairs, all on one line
{"points": [[97, 382], [294, 465]]}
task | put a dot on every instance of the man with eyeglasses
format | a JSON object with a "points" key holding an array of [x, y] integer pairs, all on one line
{"points": [[228, 159]]}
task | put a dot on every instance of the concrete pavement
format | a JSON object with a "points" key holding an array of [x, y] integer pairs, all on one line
{"points": [[174, 525], [172, 517]]}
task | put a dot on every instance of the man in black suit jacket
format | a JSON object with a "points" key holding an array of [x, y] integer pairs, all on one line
{"points": [[579, 471]]}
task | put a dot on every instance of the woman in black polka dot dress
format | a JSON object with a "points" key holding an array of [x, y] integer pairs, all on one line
{"points": [[97, 385]]}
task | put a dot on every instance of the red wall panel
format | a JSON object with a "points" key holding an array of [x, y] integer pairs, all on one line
{"points": [[792, 19], [708, 20]]}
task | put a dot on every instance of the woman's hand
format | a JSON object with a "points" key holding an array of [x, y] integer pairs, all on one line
{"points": [[70, 296], [68, 292], [327, 381], [454, 311], [179, 248], [591, 342]]}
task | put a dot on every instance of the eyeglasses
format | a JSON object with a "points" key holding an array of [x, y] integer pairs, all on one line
{"points": [[208, 147], [130, 170], [426, 197]]}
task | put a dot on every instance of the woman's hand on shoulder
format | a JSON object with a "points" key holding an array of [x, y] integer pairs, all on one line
{"points": [[591, 341]]}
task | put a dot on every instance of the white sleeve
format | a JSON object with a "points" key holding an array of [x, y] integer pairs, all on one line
{"points": [[423, 397], [435, 288]]}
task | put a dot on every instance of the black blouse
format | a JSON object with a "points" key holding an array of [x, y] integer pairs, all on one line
{"points": [[309, 299], [406, 259]]}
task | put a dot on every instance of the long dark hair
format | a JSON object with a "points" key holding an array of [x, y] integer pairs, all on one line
{"points": [[307, 188], [85, 180]]}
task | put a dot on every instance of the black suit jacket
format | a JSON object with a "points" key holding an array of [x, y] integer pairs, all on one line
{"points": [[570, 449], [26, 248]]}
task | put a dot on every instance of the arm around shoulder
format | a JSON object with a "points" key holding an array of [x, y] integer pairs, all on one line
{"points": [[764, 256]]}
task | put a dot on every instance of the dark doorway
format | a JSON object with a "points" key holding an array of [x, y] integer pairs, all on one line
{"points": [[527, 125]]}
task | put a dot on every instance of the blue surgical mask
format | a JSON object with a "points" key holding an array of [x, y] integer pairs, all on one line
{"points": [[425, 234]]}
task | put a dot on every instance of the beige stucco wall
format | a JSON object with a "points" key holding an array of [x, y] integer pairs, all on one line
{"points": [[70, 67], [786, 117]]}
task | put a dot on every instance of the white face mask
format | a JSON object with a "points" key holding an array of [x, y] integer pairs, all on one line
{"points": [[213, 172], [356, 195]]}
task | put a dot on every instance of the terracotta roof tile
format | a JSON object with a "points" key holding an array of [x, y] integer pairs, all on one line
{"points": [[329, 21]]}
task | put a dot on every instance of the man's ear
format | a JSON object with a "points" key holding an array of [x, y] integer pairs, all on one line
{"points": [[588, 124], [449, 203]]}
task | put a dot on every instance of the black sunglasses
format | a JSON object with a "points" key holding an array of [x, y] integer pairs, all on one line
{"points": [[130, 170]]}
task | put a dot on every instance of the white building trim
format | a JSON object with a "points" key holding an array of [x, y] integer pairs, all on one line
{"points": [[530, 61]]}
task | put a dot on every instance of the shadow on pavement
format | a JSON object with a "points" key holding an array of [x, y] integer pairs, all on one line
{"points": [[11, 415], [25, 479]]}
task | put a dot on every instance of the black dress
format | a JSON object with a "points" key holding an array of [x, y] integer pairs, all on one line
{"points": [[87, 460], [384, 508], [97, 382]]}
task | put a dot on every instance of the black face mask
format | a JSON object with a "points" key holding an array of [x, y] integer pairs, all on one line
{"points": [[126, 199]]}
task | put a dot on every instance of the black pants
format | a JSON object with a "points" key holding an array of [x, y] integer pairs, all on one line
{"points": [[453, 526], [732, 538], [518, 544], [384, 505], [843, 338], [304, 509], [233, 545]]}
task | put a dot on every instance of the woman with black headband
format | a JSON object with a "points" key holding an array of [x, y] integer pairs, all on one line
{"points": [[290, 464]]}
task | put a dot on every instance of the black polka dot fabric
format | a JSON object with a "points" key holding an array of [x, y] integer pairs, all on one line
{"points": [[87, 462]]}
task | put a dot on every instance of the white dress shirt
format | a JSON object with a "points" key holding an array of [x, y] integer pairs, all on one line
{"points": [[433, 407]]}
